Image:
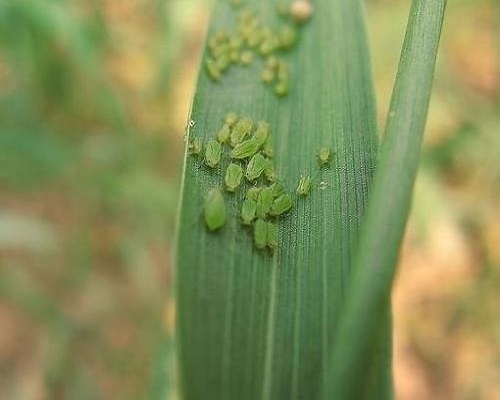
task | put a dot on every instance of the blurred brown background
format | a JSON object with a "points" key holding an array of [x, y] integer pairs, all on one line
{"points": [[94, 97]]}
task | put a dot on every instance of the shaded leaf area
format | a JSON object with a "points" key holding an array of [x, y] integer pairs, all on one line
{"points": [[255, 325]]}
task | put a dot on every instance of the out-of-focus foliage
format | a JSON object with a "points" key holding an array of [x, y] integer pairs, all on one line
{"points": [[90, 146], [446, 299]]}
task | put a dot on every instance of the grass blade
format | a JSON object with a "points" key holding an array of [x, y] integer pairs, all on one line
{"points": [[250, 325], [389, 203]]}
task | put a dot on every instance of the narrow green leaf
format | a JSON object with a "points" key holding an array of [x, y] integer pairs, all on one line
{"points": [[259, 324], [389, 204]]}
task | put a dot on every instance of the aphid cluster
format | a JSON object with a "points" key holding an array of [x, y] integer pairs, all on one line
{"points": [[252, 39], [248, 146]]}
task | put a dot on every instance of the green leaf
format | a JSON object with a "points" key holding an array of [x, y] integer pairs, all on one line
{"points": [[255, 325], [389, 203]]}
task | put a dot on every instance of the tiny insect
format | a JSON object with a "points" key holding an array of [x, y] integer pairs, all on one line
{"points": [[272, 235], [277, 188], [262, 132], [223, 134], [248, 210], [268, 46], [288, 37], [281, 205], [256, 167], [254, 39], [246, 57], [223, 62], [268, 150], [245, 149], [324, 156], [231, 119], [272, 62], [304, 186], [215, 209], [270, 173], [281, 89], [234, 175], [301, 11], [234, 56], [260, 234], [240, 131], [264, 202], [267, 75], [213, 70], [213, 151], [253, 193], [195, 146], [235, 43]]}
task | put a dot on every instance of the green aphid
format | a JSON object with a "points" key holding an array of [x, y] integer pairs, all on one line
{"points": [[223, 134], [253, 193], [223, 62], [240, 131], [215, 209], [272, 235], [287, 37], [234, 175], [213, 70], [281, 205], [262, 132], [267, 75], [304, 186], [196, 146], [231, 119], [245, 32], [260, 234], [266, 33], [264, 202], [271, 174], [324, 156], [245, 149], [272, 62], [248, 210], [268, 46], [254, 39], [234, 56], [213, 151], [277, 188], [235, 42], [246, 57], [281, 89], [222, 50], [256, 167], [268, 150]]}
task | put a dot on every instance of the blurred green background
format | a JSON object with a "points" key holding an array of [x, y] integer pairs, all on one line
{"points": [[94, 96]]}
